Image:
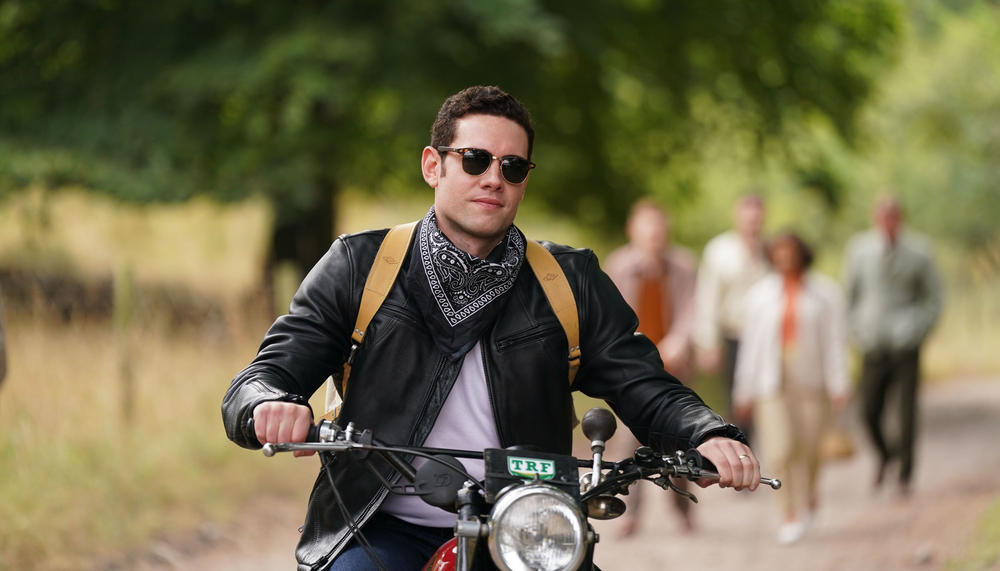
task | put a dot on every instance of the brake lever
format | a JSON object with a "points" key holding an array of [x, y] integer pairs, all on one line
{"points": [[667, 484]]}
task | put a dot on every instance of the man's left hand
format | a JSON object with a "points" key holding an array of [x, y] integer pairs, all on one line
{"points": [[736, 463]]}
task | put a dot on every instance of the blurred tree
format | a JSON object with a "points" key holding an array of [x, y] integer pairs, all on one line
{"points": [[159, 101], [930, 132], [937, 126]]}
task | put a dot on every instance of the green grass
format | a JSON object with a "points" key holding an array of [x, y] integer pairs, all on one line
{"points": [[984, 551], [965, 341]]}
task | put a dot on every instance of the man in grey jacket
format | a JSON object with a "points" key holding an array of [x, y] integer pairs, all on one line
{"points": [[893, 299]]}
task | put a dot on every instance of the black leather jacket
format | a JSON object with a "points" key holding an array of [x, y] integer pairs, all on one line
{"points": [[400, 380]]}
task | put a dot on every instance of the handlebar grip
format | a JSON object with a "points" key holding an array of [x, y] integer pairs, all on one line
{"points": [[705, 464], [313, 435]]}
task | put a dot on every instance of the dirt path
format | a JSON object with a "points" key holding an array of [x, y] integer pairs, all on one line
{"points": [[958, 475]]}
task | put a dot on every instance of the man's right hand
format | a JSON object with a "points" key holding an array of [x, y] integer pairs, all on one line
{"points": [[276, 421]]}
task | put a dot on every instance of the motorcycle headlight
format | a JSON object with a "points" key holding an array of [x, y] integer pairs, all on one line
{"points": [[538, 528]]}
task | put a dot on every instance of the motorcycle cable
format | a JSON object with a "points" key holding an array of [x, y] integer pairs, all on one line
{"points": [[326, 458], [387, 452], [617, 480], [654, 470]]}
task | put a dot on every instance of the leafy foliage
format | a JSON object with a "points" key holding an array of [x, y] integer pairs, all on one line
{"points": [[163, 101], [937, 125], [929, 132]]}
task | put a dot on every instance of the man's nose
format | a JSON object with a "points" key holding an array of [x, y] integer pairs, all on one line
{"points": [[493, 177]]}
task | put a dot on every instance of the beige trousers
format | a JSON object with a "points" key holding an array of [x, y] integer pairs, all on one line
{"points": [[789, 427]]}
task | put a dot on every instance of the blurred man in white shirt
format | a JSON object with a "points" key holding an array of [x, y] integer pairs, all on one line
{"points": [[731, 264]]}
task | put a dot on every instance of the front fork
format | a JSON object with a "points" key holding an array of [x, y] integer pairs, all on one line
{"points": [[468, 528], [462, 553]]}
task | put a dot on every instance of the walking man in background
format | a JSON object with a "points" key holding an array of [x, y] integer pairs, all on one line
{"points": [[657, 280], [893, 301], [731, 264]]}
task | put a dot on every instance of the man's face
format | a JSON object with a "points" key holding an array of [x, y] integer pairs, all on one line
{"points": [[749, 217], [648, 230], [888, 218], [474, 211]]}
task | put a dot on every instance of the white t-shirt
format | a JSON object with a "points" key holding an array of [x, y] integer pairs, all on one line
{"points": [[465, 422]]}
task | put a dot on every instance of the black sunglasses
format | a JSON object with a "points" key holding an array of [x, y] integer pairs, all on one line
{"points": [[475, 162]]}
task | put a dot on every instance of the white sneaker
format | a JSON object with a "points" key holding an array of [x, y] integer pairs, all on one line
{"points": [[791, 532]]}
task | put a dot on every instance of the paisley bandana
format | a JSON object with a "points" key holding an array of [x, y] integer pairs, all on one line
{"points": [[462, 284]]}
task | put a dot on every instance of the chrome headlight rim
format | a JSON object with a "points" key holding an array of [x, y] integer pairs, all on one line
{"points": [[513, 496]]}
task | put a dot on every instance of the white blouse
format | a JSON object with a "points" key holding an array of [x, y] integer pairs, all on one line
{"points": [[817, 360]]}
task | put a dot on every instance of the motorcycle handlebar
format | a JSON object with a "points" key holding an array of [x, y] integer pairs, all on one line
{"points": [[324, 431], [328, 437], [708, 470]]}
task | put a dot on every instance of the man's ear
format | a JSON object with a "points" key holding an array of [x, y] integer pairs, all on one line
{"points": [[430, 160]]}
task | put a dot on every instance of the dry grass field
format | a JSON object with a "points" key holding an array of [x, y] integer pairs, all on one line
{"points": [[80, 479]]}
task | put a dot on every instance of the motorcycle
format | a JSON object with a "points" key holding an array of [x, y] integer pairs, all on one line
{"points": [[531, 510]]}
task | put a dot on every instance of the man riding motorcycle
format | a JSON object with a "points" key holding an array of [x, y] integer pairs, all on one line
{"points": [[464, 352]]}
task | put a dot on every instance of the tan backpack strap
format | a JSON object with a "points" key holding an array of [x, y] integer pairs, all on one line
{"points": [[382, 275], [556, 287]]}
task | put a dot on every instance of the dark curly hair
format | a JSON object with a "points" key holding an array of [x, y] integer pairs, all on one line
{"points": [[484, 100], [806, 255]]}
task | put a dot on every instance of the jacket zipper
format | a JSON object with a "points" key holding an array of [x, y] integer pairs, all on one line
{"points": [[399, 313], [438, 369], [493, 404], [533, 335]]}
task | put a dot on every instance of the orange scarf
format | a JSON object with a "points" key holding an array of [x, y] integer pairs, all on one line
{"points": [[789, 318], [652, 309]]}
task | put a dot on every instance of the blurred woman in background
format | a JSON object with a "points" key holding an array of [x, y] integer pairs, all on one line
{"points": [[791, 368]]}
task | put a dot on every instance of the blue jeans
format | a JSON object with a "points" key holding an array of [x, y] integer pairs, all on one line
{"points": [[399, 544]]}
